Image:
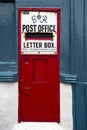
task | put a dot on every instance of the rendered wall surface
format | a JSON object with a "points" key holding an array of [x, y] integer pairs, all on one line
{"points": [[66, 106], [9, 105]]}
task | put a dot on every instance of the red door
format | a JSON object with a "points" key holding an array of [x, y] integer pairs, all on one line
{"points": [[39, 94]]}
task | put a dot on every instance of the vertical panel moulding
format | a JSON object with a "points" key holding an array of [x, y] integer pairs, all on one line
{"points": [[85, 29], [85, 58], [79, 17], [72, 64], [65, 40], [70, 49], [86, 102], [79, 39], [85, 37], [78, 124], [80, 107], [72, 34]]}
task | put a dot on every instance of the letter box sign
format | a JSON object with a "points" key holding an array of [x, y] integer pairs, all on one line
{"points": [[38, 31]]}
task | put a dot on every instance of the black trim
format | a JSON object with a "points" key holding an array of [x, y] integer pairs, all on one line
{"points": [[7, 1]]}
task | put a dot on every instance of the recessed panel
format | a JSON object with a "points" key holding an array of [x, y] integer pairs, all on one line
{"points": [[40, 70]]}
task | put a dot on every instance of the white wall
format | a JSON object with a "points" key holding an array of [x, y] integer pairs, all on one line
{"points": [[66, 106], [9, 105]]}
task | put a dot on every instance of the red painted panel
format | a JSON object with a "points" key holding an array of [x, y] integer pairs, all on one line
{"points": [[40, 70], [38, 78]]}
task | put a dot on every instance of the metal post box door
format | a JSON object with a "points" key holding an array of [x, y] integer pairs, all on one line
{"points": [[38, 64]]}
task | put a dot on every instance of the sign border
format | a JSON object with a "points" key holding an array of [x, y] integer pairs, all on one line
{"points": [[57, 10]]}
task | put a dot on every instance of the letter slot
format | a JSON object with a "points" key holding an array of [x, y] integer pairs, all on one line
{"points": [[39, 36]]}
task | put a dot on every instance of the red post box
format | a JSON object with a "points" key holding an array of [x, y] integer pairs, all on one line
{"points": [[38, 64]]}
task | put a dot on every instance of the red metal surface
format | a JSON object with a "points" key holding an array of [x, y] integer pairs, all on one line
{"points": [[38, 81]]}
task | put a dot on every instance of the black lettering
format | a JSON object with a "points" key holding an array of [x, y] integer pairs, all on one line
{"points": [[46, 28], [45, 45], [34, 28], [45, 19], [39, 28], [40, 45], [54, 28], [34, 19], [48, 45], [31, 28], [52, 45], [43, 28], [23, 27], [33, 44], [27, 28], [51, 28], [30, 44], [24, 45]]}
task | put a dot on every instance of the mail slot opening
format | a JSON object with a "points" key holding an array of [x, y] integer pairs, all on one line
{"points": [[39, 36]]}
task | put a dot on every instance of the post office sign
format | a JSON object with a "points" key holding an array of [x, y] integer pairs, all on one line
{"points": [[38, 32]]}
